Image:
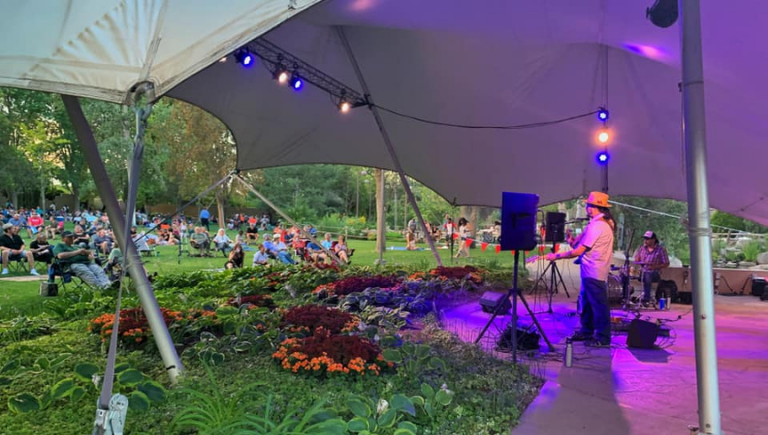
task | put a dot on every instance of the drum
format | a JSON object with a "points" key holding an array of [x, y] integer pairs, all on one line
{"points": [[615, 293]]}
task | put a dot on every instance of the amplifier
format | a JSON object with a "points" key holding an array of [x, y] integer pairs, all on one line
{"points": [[758, 286], [490, 300], [684, 298], [642, 334]]}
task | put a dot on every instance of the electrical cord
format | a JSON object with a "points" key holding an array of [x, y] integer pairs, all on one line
{"points": [[485, 127]]}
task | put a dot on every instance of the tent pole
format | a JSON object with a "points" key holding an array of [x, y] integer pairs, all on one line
{"points": [[388, 142], [694, 128], [285, 216], [381, 217], [117, 219]]}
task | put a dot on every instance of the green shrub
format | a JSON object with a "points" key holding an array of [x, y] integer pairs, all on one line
{"points": [[752, 249]]}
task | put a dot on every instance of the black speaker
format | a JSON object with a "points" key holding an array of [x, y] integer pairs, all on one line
{"points": [[527, 339], [684, 298], [642, 334], [490, 300], [663, 13], [758, 286], [555, 231], [518, 221]]}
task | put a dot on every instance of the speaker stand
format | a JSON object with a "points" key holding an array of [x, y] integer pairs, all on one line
{"points": [[555, 281], [514, 293]]}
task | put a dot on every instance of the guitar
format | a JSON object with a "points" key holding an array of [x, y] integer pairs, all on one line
{"points": [[536, 258]]}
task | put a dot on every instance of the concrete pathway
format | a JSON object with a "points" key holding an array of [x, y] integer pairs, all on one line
{"points": [[631, 391]]}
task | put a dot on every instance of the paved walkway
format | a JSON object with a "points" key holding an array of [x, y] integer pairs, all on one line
{"points": [[638, 392]]}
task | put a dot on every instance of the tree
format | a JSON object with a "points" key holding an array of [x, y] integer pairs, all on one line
{"points": [[208, 152], [20, 109]]}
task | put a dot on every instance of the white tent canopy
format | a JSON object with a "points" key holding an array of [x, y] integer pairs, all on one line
{"points": [[503, 62]]}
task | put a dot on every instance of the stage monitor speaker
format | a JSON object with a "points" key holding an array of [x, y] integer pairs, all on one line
{"points": [[490, 300], [555, 229], [758, 286], [642, 334], [518, 221]]}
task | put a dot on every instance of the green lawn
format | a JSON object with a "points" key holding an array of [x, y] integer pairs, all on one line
{"points": [[17, 298]]}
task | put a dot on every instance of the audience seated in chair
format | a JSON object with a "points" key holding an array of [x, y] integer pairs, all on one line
{"points": [[80, 260], [342, 250], [13, 249], [278, 249], [102, 242], [222, 241], [199, 240], [42, 251]]}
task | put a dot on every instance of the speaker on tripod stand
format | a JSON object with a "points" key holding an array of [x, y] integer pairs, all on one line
{"points": [[518, 233], [555, 233]]}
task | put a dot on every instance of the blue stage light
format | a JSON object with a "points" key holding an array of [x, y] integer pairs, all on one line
{"points": [[602, 114], [245, 58], [296, 82], [603, 157]]}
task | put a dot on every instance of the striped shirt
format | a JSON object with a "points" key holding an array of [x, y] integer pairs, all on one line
{"points": [[652, 257]]}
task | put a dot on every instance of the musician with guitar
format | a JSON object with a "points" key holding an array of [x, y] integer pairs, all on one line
{"points": [[594, 247]]}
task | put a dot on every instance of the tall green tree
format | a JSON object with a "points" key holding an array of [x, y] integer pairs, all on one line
{"points": [[20, 109]]}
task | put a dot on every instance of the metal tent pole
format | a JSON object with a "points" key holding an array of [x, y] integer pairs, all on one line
{"points": [[117, 219], [694, 127], [388, 143]]}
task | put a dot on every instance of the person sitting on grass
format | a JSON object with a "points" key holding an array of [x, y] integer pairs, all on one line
{"points": [[80, 261], [236, 257], [261, 258], [12, 248]]}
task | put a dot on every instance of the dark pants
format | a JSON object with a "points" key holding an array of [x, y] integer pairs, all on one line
{"points": [[649, 278], [595, 313], [204, 222]]}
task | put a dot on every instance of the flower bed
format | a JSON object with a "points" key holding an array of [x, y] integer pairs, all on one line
{"points": [[134, 326], [469, 273], [308, 318], [325, 353], [255, 301], [354, 284]]}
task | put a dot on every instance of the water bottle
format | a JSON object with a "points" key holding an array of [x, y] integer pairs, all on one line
{"points": [[662, 304], [568, 358]]}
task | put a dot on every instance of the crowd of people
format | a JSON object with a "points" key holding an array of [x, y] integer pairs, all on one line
{"points": [[91, 252]]}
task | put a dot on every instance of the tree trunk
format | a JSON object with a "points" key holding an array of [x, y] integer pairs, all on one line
{"points": [[220, 208], [394, 190], [15, 198], [381, 220], [42, 191], [75, 194]]}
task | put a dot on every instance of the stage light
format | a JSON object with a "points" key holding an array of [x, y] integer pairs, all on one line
{"points": [[603, 157], [603, 136], [296, 82], [245, 58], [280, 74], [602, 114], [345, 106]]}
